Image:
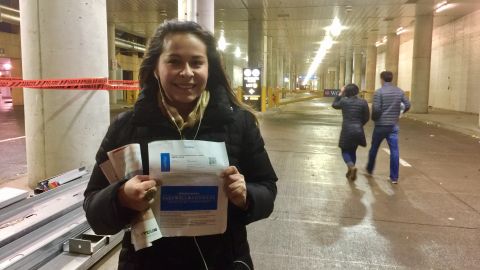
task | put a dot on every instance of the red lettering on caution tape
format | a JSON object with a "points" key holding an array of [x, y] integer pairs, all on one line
{"points": [[74, 84]]}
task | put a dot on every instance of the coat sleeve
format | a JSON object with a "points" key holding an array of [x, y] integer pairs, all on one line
{"points": [[259, 175], [102, 208], [376, 106], [337, 103], [366, 113], [405, 102]]}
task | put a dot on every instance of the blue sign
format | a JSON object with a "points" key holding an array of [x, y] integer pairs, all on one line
{"points": [[188, 198]]}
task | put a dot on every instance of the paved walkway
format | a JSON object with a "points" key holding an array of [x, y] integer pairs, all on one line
{"points": [[430, 220], [465, 123]]}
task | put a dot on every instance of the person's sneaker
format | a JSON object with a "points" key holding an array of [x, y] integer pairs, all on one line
{"points": [[394, 181], [353, 175], [349, 172], [368, 171]]}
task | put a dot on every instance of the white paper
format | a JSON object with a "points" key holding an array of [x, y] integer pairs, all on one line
{"points": [[109, 171], [124, 163], [145, 230], [191, 201]]}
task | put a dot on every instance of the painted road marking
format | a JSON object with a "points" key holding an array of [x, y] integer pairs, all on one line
{"points": [[12, 139], [402, 162]]}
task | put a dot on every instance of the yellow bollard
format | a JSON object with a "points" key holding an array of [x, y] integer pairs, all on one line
{"points": [[130, 97], [239, 94], [277, 97], [263, 99], [271, 98]]}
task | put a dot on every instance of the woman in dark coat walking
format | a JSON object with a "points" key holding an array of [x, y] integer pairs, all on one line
{"points": [[355, 114]]}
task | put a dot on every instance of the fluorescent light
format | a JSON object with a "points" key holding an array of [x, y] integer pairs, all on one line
{"points": [[444, 7], [332, 31], [441, 4], [238, 53], [401, 30], [222, 43], [336, 27]]}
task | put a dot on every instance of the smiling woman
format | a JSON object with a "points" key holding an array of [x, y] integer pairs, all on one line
{"points": [[185, 95], [183, 71]]}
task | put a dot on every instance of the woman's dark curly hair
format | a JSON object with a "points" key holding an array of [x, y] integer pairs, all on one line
{"points": [[351, 90], [216, 73]]}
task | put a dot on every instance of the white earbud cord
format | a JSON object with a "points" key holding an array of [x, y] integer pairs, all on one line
{"points": [[201, 254]]}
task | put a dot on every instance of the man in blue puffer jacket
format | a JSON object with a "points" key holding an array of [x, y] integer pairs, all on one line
{"points": [[386, 110]]}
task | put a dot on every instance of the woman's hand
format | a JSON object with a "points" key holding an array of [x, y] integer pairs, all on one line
{"points": [[235, 187], [138, 192]]}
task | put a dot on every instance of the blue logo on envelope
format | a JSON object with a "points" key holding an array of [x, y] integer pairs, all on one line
{"points": [[165, 162], [188, 198]]}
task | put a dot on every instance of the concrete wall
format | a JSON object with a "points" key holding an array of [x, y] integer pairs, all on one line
{"points": [[405, 62], [237, 79], [129, 63], [380, 68], [11, 44], [456, 65]]}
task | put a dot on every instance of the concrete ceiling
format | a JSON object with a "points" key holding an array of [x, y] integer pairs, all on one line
{"points": [[296, 26]]}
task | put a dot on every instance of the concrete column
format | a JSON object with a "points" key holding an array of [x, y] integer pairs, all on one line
{"points": [[229, 63], [187, 10], [337, 75], [295, 75], [66, 39], [255, 38], [270, 66], [331, 78], [348, 67], [422, 48], [341, 78], [391, 56], [321, 80], [264, 61], [280, 69], [357, 67], [371, 63], [288, 74], [112, 61], [201, 11], [206, 14], [17, 93]]}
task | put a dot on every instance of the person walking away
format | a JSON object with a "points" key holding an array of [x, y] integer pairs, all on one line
{"points": [[355, 114], [386, 110]]}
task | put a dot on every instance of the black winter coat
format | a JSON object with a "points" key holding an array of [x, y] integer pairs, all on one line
{"points": [[355, 115], [245, 147]]}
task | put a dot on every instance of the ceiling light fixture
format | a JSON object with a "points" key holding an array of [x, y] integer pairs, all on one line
{"points": [[7, 66], [443, 6], [333, 30], [401, 30], [238, 53], [380, 43], [222, 43], [336, 27]]}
